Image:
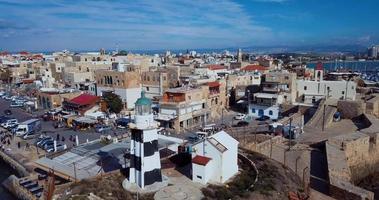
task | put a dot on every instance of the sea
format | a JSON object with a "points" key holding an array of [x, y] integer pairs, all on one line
{"points": [[5, 172], [356, 66]]}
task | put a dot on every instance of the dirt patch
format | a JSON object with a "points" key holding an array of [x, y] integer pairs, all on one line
{"points": [[274, 182], [108, 187]]}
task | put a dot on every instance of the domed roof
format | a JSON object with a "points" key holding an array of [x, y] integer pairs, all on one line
{"points": [[143, 100]]}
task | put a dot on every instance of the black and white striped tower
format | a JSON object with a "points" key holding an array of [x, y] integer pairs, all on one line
{"points": [[145, 165]]}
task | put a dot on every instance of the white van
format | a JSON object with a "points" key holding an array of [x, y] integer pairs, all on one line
{"points": [[9, 123]]}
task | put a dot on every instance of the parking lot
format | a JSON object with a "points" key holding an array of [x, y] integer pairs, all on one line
{"points": [[49, 130]]}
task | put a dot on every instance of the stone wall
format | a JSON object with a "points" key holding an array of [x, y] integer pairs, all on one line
{"points": [[21, 170], [351, 158], [13, 186], [350, 109]]}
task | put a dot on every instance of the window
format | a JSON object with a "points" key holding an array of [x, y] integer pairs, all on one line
{"points": [[189, 97], [164, 78], [148, 78], [253, 110], [147, 88], [199, 177], [305, 87], [286, 77], [270, 112], [352, 87], [343, 92]]}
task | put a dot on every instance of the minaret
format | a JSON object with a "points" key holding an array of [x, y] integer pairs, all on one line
{"points": [[145, 165]]}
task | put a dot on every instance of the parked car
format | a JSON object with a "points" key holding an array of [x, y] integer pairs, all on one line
{"points": [[60, 147], [263, 118], [242, 123], [48, 144], [43, 142], [31, 135], [102, 128], [7, 112], [16, 105], [9, 123], [239, 116]]}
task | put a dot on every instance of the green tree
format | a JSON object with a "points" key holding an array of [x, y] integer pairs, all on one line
{"points": [[114, 102], [6, 75]]}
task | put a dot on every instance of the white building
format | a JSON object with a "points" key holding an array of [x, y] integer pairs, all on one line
{"points": [[265, 104], [215, 159], [310, 91]]}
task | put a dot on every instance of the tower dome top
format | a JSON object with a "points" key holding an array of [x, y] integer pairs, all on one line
{"points": [[143, 100]]}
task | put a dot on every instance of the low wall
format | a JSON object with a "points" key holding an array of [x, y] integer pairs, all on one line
{"points": [[21, 170], [13, 186], [346, 191]]}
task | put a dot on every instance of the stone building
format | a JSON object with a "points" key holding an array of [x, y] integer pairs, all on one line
{"points": [[183, 108], [52, 98], [154, 83], [125, 84]]}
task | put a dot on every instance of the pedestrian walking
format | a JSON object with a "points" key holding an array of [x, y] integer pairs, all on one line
{"points": [[19, 144], [9, 142], [63, 139], [58, 137]]}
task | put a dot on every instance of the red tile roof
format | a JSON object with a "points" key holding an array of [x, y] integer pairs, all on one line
{"points": [[215, 67], [24, 53], [254, 68], [213, 84], [26, 81], [319, 66], [84, 99], [201, 160]]}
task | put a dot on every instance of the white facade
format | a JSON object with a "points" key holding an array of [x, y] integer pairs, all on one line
{"points": [[223, 151], [257, 111], [128, 96], [266, 104], [314, 90]]}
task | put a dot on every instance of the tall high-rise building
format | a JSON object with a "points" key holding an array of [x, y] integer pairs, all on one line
{"points": [[145, 164], [239, 55], [373, 51]]}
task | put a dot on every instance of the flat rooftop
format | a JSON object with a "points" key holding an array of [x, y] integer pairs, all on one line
{"points": [[91, 159]]}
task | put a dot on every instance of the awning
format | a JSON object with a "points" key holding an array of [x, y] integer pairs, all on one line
{"points": [[164, 117], [95, 115], [85, 120]]}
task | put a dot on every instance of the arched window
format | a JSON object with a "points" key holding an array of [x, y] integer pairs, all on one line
{"points": [[270, 112]]}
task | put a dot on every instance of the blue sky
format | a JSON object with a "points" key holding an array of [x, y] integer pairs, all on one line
{"points": [[38, 25]]}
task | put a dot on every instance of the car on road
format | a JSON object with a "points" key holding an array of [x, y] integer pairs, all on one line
{"points": [[44, 141], [240, 116], [263, 118], [16, 105], [7, 112], [31, 135], [60, 147], [242, 124], [9, 123], [102, 128], [47, 144]]}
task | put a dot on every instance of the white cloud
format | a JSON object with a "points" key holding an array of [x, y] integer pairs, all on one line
{"points": [[169, 23]]}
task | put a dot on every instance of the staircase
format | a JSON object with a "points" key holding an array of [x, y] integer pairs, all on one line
{"points": [[316, 121]]}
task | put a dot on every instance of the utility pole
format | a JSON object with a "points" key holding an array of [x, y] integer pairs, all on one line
{"points": [[74, 170], [290, 133], [323, 118], [222, 116]]}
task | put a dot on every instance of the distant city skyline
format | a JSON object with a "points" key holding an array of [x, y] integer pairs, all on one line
{"points": [[168, 24]]}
